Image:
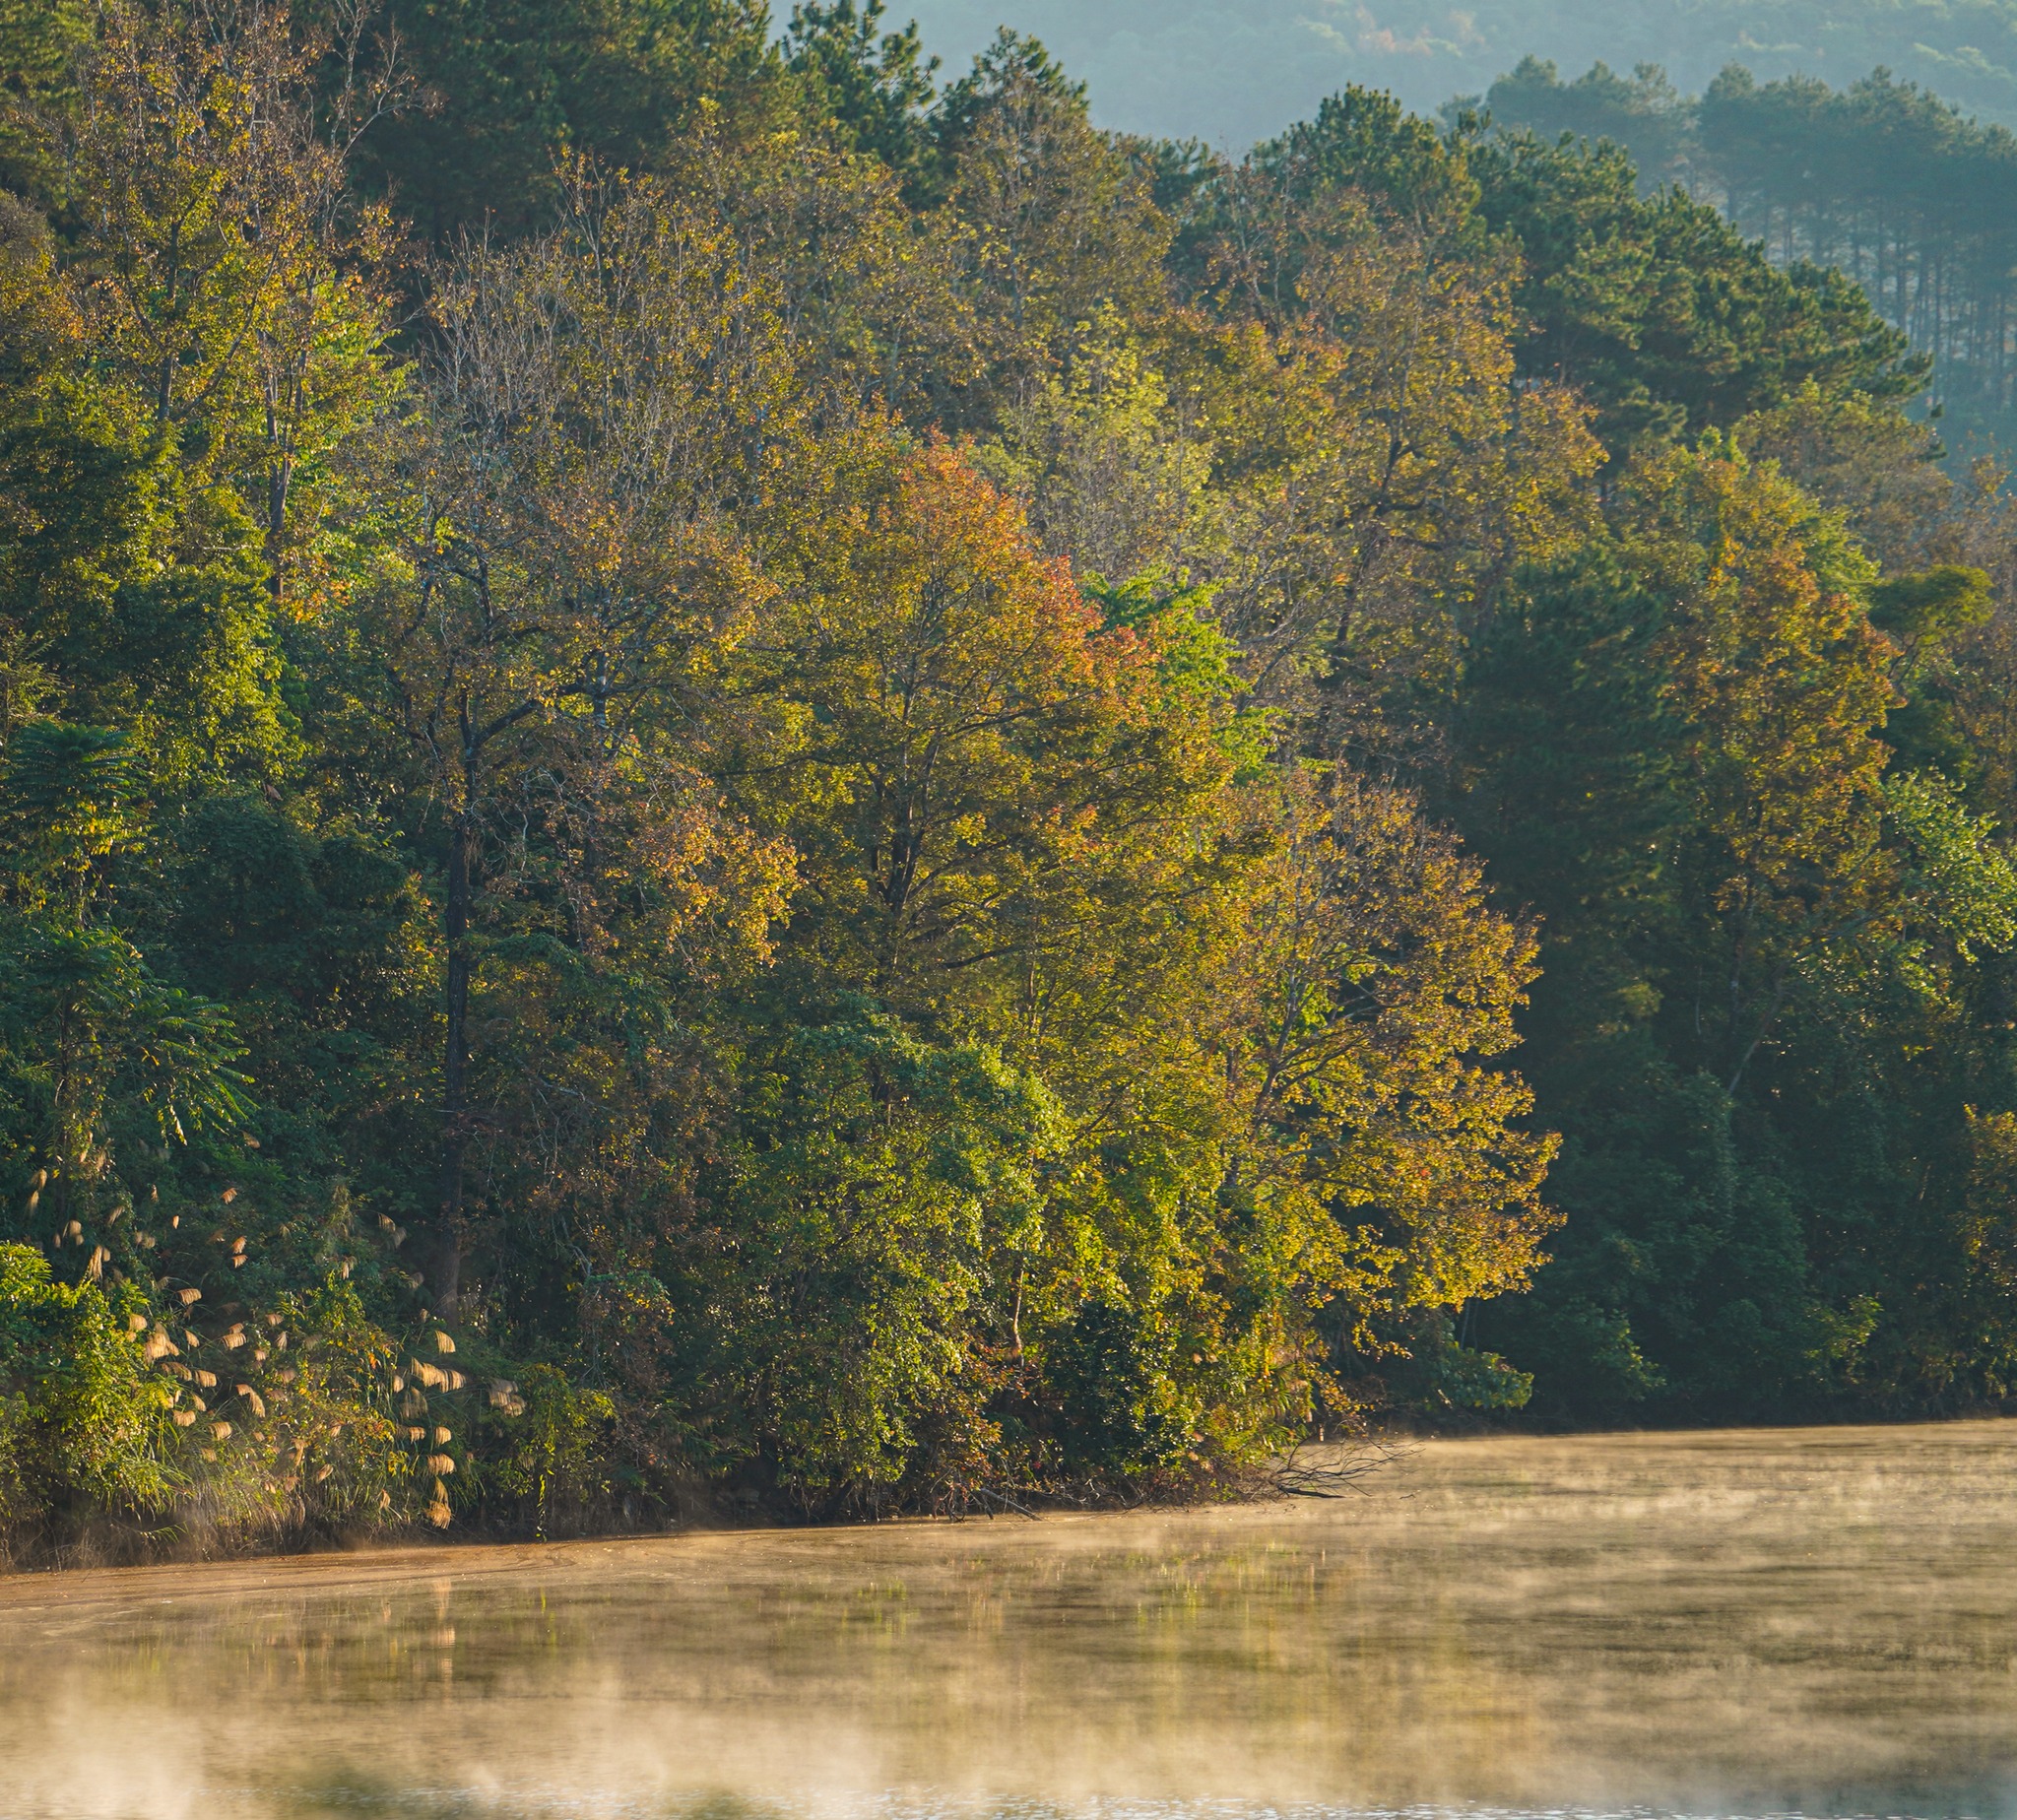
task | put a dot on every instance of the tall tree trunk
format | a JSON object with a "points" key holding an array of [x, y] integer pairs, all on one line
{"points": [[278, 477], [454, 1075]]}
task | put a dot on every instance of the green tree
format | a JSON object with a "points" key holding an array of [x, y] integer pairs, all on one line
{"points": [[1657, 309], [873, 87], [1754, 929], [570, 578], [514, 88]]}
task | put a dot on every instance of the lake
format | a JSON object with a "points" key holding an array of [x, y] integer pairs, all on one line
{"points": [[1818, 1621]]}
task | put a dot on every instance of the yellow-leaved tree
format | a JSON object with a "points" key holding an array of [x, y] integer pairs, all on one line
{"points": [[606, 406], [1102, 1073]]}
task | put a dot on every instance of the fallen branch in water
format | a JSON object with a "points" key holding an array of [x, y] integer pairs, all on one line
{"points": [[1297, 1477]]}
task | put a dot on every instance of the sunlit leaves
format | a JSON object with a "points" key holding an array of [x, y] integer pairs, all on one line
{"points": [[1958, 873], [1382, 985]]}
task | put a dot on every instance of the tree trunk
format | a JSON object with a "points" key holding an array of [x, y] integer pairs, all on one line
{"points": [[278, 477], [454, 1076]]}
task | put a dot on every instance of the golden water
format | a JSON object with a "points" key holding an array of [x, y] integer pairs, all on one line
{"points": [[1761, 1622]]}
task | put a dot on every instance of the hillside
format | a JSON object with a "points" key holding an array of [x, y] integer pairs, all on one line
{"points": [[1233, 74], [729, 780]]}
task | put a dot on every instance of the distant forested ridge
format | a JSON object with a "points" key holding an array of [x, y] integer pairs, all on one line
{"points": [[1874, 138], [1233, 71], [1881, 179], [734, 775]]}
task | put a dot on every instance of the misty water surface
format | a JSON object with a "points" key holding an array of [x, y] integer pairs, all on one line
{"points": [[1765, 1622]]}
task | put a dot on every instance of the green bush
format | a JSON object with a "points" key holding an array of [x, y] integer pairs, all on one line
{"points": [[84, 1422]]}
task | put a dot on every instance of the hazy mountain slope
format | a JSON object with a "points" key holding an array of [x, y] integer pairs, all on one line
{"points": [[1234, 71]]}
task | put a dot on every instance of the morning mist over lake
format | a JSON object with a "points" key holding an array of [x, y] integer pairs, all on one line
{"points": [[1099, 913]]}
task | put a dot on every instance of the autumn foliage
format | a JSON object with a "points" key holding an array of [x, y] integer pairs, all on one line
{"points": [[879, 803]]}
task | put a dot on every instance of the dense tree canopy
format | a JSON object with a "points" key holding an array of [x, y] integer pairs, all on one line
{"points": [[726, 778], [1880, 181]]}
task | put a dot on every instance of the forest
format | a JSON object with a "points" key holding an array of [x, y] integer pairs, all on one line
{"points": [[1882, 179], [736, 780], [1231, 72]]}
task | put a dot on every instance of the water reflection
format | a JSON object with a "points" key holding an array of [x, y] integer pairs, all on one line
{"points": [[1769, 1622]]}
